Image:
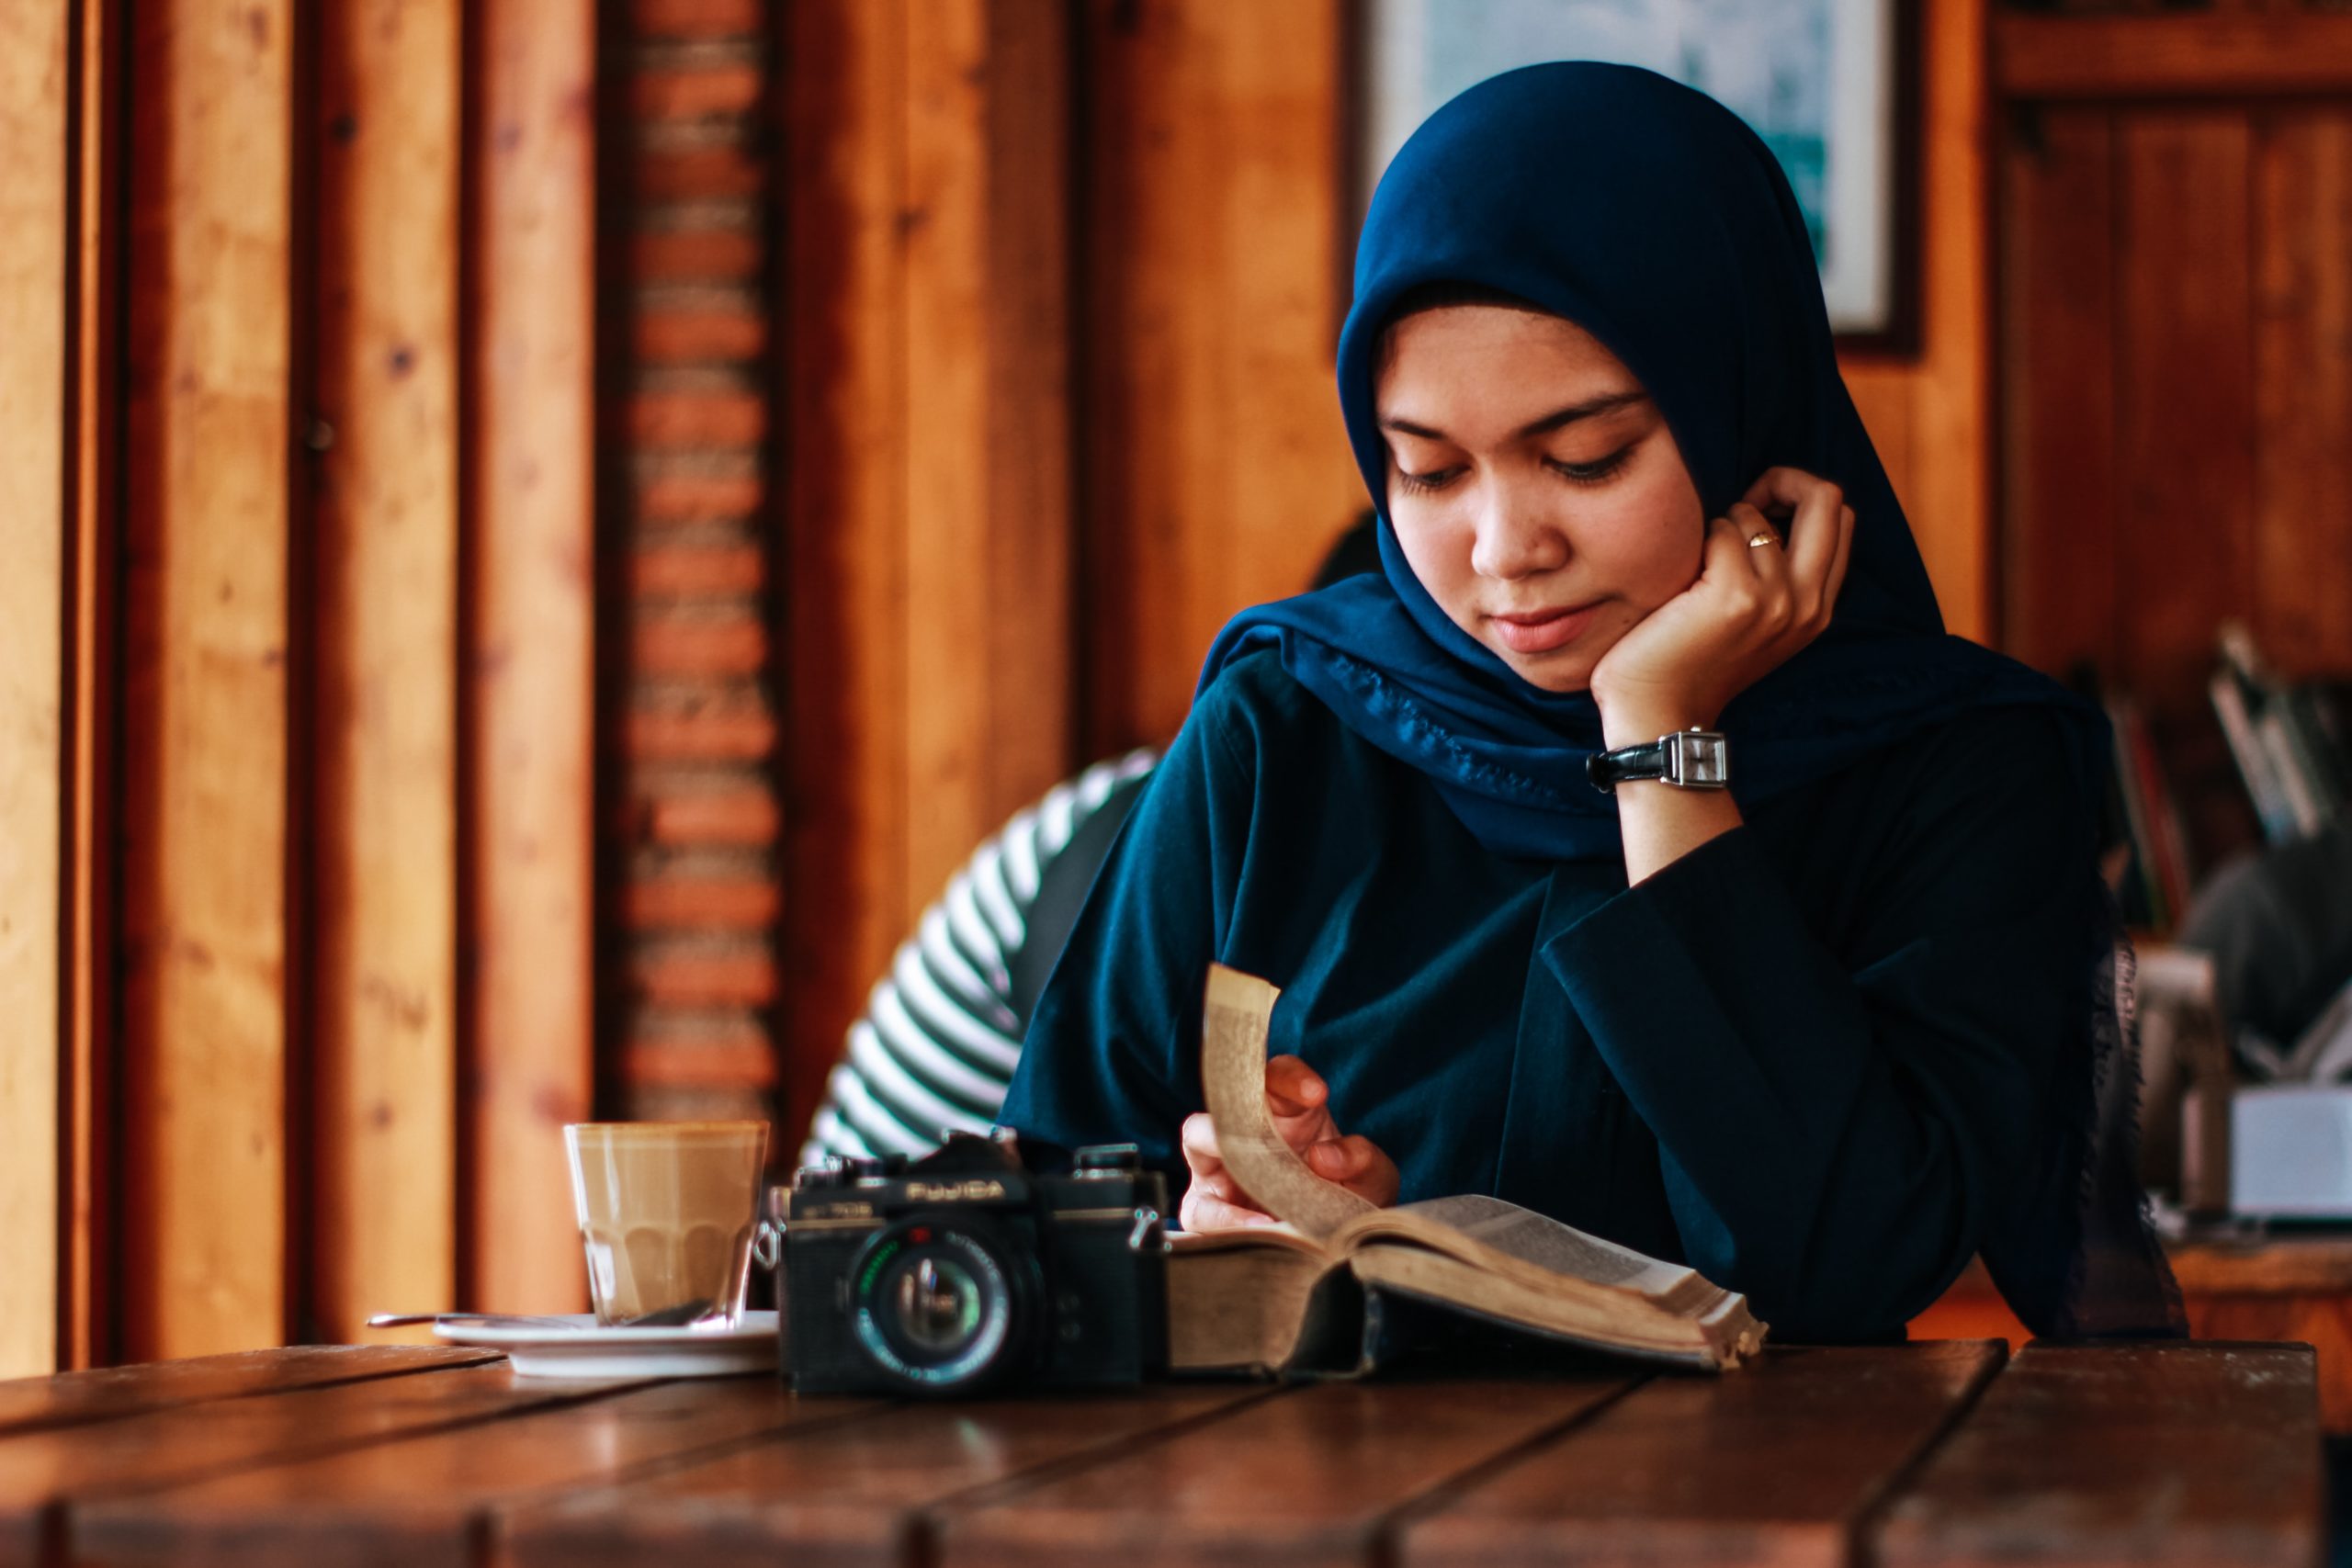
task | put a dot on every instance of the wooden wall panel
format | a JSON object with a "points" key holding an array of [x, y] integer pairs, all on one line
{"points": [[2302, 386], [928, 473], [2057, 348], [529, 770], [1929, 414], [205, 764], [89, 1333], [1214, 471], [987, 416], [35, 248], [2184, 395], [383, 987], [2237, 49], [846, 797]]}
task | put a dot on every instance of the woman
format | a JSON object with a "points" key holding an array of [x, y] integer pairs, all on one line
{"points": [[1824, 1035]]}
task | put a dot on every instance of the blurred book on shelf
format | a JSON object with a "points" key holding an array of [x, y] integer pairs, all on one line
{"points": [[2150, 850], [2265, 761], [2155, 883], [2286, 738]]}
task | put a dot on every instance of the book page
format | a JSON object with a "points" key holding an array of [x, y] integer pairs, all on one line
{"points": [[1539, 1239], [1279, 1237], [1235, 1021], [1718, 1338]]}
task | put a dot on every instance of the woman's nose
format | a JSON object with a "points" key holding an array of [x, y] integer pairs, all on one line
{"points": [[1518, 535]]}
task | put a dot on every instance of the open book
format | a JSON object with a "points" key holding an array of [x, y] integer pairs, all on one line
{"points": [[1309, 1293]]}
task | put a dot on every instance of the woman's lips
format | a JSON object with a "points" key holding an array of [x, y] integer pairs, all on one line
{"points": [[1544, 630]]}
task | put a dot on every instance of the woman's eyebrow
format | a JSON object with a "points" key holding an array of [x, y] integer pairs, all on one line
{"points": [[1588, 408]]}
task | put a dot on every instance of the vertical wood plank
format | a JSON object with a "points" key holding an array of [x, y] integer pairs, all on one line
{"points": [[2058, 528], [1950, 466], [929, 487], [2183, 393], [35, 244], [530, 759], [88, 1330], [2302, 387], [1886, 396], [384, 1206], [204, 919], [1214, 469], [1930, 415], [844, 498], [987, 412]]}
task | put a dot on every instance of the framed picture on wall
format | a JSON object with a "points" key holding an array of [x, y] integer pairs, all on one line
{"points": [[1831, 85]]}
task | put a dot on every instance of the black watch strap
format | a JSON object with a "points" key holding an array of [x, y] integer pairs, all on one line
{"points": [[1687, 759], [1606, 769]]}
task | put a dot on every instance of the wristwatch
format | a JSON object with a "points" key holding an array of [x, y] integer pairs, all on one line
{"points": [[1687, 759]]}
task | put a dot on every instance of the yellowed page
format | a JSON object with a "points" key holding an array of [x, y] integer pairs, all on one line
{"points": [[1235, 1020]]}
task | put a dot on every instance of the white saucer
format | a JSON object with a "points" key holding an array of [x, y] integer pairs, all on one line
{"points": [[588, 1351]]}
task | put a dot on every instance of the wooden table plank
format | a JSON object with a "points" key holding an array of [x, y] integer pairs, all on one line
{"points": [[44, 1473], [1310, 1477], [1773, 1464], [2193, 1452], [110, 1392], [427, 1500], [857, 1495]]}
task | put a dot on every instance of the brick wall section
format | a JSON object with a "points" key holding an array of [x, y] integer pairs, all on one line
{"points": [[699, 895]]}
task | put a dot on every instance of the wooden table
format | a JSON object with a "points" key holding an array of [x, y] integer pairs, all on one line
{"points": [[2290, 1285], [1943, 1453]]}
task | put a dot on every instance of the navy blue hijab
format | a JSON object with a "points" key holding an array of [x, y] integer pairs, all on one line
{"points": [[1653, 218]]}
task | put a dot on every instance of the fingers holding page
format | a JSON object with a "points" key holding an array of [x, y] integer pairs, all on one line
{"points": [[1300, 1102], [1294, 1088], [1356, 1163], [1212, 1200]]}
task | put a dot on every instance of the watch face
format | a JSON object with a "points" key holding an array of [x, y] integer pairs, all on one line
{"points": [[1702, 760]]}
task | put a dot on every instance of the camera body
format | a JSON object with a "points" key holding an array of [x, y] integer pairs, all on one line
{"points": [[962, 1271]]}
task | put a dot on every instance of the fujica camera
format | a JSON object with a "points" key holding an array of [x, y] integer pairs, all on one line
{"points": [[964, 1270]]}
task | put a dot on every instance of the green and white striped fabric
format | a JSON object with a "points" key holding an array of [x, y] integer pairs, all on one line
{"points": [[942, 1033]]}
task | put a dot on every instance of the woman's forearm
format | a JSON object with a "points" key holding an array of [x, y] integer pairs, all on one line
{"points": [[1661, 822]]}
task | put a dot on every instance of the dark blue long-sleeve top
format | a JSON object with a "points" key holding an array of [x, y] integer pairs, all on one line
{"points": [[1808, 1057]]}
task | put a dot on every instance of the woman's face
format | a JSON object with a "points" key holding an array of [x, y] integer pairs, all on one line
{"points": [[1533, 485]]}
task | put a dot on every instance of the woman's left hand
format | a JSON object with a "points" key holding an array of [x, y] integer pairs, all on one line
{"points": [[1752, 607]]}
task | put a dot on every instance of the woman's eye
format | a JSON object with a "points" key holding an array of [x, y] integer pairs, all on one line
{"points": [[1595, 472], [1436, 478]]}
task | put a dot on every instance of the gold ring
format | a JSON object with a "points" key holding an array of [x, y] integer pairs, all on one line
{"points": [[1766, 538]]}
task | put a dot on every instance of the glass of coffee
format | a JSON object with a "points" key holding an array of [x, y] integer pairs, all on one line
{"points": [[666, 1210]]}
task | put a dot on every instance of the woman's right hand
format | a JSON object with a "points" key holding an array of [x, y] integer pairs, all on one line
{"points": [[1300, 1102]]}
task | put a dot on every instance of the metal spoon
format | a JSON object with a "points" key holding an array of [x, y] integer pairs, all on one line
{"points": [[689, 1314], [481, 1319]]}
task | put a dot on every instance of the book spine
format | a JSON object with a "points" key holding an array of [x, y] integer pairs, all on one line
{"points": [[2253, 759], [2297, 784]]}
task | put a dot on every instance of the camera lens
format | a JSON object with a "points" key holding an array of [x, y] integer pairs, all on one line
{"points": [[939, 1306]]}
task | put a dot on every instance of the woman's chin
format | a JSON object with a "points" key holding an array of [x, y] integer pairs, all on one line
{"points": [[1564, 671]]}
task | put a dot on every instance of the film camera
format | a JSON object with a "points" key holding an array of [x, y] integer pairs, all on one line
{"points": [[964, 1270]]}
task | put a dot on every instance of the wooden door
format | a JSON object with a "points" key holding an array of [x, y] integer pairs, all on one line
{"points": [[2174, 353]]}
